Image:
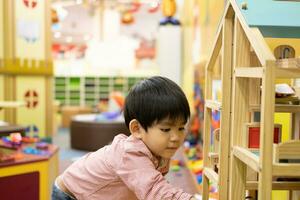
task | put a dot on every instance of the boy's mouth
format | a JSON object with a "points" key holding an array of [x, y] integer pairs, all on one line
{"points": [[172, 148]]}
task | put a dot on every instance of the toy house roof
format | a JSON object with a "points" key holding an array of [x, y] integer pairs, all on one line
{"points": [[274, 18]]}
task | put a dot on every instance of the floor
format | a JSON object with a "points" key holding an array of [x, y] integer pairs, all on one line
{"points": [[181, 178]]}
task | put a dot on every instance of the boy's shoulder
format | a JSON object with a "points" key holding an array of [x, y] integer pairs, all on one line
{"points": [[123, 144]]}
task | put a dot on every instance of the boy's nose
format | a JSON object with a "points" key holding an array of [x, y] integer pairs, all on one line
{"points": [[175, 136]]}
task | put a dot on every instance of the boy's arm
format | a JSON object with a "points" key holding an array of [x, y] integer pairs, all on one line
{"points": [[139, 174]]}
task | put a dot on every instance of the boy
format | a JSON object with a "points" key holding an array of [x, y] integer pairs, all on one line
{"points": [[156, 112]]}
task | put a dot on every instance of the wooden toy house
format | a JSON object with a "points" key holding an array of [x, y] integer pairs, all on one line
{"points": [[257, 43]]}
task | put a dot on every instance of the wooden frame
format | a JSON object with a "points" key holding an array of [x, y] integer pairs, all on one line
{"points": [[249, 70]]}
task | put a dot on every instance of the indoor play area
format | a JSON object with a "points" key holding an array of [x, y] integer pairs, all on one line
{"points": [[67, 66]]}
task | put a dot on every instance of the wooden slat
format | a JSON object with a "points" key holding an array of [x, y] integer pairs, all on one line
{"points": [[288, 150], [238, 179], [276, 185], [287, 72], [286, 169], [240, 102], [279, 108], [266, 132], [11, 104], [211, 175], [214, 105], [227, 70], [249, 72], [215, 51], [256, 72], [247, 157], [207, 130]]}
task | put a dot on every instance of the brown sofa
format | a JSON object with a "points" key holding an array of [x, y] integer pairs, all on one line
{"points": [[90, 135]]}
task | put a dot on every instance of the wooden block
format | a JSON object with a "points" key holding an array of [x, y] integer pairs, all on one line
{"points": [[253, 131]]}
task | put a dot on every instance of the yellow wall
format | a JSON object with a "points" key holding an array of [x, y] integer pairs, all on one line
{"points": [[1, 96], [35, 15], [1, 57], [1, 30], [188, 69], [210, 13], [37, 115]]}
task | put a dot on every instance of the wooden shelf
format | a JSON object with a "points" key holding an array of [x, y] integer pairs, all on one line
{"points": [[249, 72], [247, 157], [279, 108], [211, 175], [11, 104], [286, 169], [278, 169], [257, 72], [276, 185], [287, 72], [90, 89]]}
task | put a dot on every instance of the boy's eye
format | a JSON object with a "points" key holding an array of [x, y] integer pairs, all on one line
{"points": [[181, 129], [165, 129]]}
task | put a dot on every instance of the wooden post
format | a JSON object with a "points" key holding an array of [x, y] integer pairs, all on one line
{"points": [[266, 132], [241, 58], [224, 151]]}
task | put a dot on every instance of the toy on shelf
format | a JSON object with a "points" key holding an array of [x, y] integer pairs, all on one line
{"points": [[285, 94], [113, 109], [14, 140], [169, 9]]}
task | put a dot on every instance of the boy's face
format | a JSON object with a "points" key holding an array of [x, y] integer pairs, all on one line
{"points": [[165, 137]]}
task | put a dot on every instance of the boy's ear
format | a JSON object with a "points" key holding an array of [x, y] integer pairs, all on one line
{"points": [[135, 128]]}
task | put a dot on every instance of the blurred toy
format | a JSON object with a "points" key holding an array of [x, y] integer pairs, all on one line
{"points": [[28, 139], [35, 151], [176, 165], [42, 145], [15, 138], [168, 10]]}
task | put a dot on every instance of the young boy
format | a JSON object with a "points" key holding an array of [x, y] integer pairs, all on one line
{"points": [[156, 112]]}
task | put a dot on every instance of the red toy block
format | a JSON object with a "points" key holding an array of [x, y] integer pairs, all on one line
{"points": [[254, 134]]}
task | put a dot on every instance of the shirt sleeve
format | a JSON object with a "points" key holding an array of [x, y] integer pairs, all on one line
{"points": [[139, 174]]}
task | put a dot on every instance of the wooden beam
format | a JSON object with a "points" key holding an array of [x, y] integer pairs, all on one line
{"points": [[279, 108], [249, 72], [266, 132], [276, 185], [215, 51], [286, 169], [287, 72], [211, 175], [238, 179], [227, 70], [247, 157]]}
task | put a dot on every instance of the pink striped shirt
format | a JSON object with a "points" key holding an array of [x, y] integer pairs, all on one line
{"points": [[124, 170]]}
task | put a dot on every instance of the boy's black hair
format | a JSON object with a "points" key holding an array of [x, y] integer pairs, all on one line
{"points": [[155, 99]]}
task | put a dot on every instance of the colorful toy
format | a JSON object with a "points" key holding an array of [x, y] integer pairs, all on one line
{"points": [[168, 10]]}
